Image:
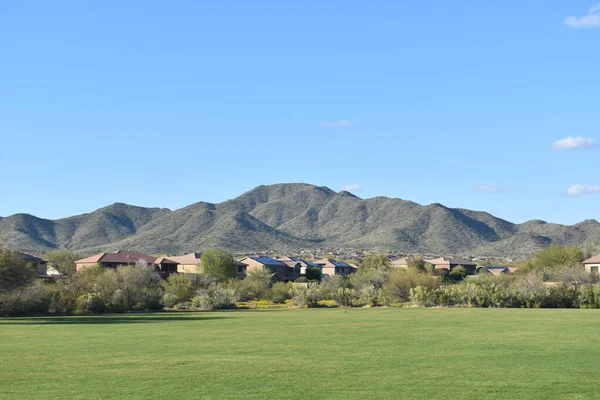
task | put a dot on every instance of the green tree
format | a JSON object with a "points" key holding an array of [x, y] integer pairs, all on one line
{"points": [[397, 288], [590, 249], [139, 285], [16, 275], [457, 273], [374, 261], [557, 256], [15, 272], [63, 260], [314, 274], [218, 264], [417, 263], [179, 285]]}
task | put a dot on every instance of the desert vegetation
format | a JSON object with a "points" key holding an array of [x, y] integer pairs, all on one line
{"points": [[554, 279]]}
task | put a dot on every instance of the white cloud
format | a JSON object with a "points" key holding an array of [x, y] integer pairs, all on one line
{"points": [[572, 142], [591, 20], [489, 188], [352, 188], [340, 123], [579, 189]]}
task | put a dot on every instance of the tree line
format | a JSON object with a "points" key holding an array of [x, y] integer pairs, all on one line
{"points": [[377, 283]]}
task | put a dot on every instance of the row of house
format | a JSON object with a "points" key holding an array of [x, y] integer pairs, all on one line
{"points": [[448, 264], [282, 268]]}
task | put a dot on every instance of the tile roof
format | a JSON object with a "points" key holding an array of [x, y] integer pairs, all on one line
{"points": [[165, 260], [120, 256], [593, 260], [269, 261], [33, 256], [449, 261], [296, 260], [330, 262], [191, 258], [400, 261]]}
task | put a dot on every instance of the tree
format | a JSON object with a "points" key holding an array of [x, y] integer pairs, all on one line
{"points": [[557, 256], [458, 273], [590, 249], [16, 275], [63, 260], [314, 273], [256, 284], [181, 286], [15, 272], [375, 261], [417, 263], [138, 285], [398, 286], [218, 264]]}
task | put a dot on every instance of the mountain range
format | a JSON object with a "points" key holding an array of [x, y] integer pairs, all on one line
{"points": [[292, 216]]}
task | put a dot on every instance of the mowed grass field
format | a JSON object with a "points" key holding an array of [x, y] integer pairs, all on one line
{"points": [[305, 354]]}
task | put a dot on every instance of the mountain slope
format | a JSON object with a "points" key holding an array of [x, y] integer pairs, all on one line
{"points": [[292, 216]]}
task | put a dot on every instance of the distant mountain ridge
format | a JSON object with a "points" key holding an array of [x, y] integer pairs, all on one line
{"points": [[293, 216]]}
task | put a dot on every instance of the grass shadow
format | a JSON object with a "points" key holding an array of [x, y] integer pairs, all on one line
{"points": [[107, 319]]}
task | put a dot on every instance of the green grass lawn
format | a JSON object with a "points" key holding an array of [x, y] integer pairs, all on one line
{"points": [[305, 354]]}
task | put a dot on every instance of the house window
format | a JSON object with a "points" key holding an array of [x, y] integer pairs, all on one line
{"points": [[594, 269], [240, 269]]}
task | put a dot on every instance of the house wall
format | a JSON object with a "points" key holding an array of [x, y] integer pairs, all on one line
{"points": [[342, 271], [188, 268], [590, 267], [80, 266]]}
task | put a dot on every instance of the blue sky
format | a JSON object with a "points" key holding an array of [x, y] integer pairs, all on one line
{"points": [[169, 103]]}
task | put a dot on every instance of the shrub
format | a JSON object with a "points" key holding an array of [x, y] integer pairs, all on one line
{"points": [[458, 273], [279, 293], [203, 302], [118, 302], [179, 285], [345, 297], [215, 297], [306, 295], [169, 300], [151, 298], [90, 303], [255, 285], [369, 295], [423, 297], [330, 286], [529, 290], [397, 288], [561, 296]]}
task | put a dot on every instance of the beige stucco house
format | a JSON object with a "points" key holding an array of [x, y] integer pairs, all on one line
{"points": [[451, 263], [40, 264], [592, 264], [333, 267], [188, 263], [279, 270], [400, 263]]}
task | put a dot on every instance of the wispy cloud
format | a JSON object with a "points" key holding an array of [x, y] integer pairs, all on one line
{"points": [[579, 190], [490, 188], [591, 20], [352, 188], [574, 142], [339, 123]]}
